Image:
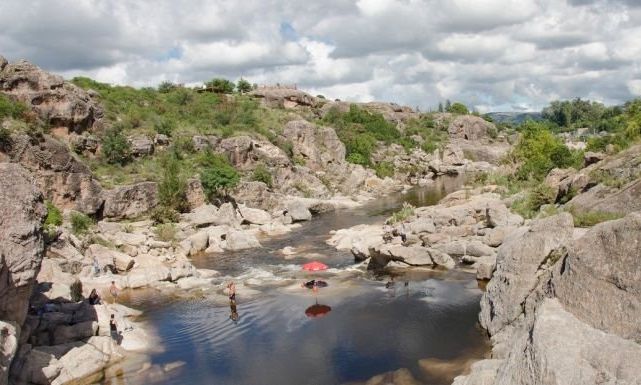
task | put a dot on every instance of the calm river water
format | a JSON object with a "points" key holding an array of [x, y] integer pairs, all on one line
{"points": [[355, 329]]}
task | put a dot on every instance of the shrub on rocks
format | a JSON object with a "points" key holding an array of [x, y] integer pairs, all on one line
{"points": [[76, 291], [80, 223], [262, 174]]}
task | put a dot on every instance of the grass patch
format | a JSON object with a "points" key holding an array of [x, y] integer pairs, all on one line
{"points": [[406, 212], [262, 174], [591, 218]]}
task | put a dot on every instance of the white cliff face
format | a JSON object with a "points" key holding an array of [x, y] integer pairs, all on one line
{"points": [[21, 251]]}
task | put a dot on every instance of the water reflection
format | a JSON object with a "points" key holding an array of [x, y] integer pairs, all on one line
{"points": [[363, 332], [233, 311]]}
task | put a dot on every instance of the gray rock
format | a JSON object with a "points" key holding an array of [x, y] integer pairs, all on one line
{"points": [[470, 127], [318, 146], [559, 349], [422, 225], [478, 249], [485, 267], [106, 257], [519, 258], [255, 216], [161, 140], [298, 211], [482, 373], [240, 240], [202, 216], [131, 201], [141, 146], [599, 281], [195, 194]]}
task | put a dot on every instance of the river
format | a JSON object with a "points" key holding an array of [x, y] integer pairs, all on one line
{"points": [[362, 325]]}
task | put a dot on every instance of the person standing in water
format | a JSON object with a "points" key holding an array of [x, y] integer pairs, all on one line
{"points": [[113, 290], [231, 287], [234, 312]]}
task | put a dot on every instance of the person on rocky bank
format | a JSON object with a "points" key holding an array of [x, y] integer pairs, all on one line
{"points": [[113, 290]]}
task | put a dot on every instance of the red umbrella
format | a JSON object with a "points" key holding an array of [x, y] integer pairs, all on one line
{"points": [[317, 310], [314, 266]]}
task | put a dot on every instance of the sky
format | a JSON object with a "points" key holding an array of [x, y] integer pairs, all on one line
{"points": [[492, 55]]}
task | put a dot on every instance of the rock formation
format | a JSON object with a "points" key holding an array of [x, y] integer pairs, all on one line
{"points": [[61, 104], [64, 179], [564, 311], [22, 213]]}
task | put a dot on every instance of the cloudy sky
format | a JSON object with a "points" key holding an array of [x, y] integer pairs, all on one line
{"points": [[494, 55]]}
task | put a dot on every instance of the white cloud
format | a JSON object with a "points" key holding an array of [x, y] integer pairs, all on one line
{"points": [[491, 54]]}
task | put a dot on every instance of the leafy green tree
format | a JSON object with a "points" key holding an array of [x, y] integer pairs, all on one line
{"points": [[539, 151], [221, 86], [218, 175], [243, 86], [458, 108], [440, 107], [448, 105], [115, 147]]}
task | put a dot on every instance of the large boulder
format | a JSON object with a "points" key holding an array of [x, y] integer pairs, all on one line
{"points": [[60, 103], [612, 200], [298, 211], [318, 146], [470, 127], [599, 281], [64, 179], [141, 146], [559, 349], [130, 201], [240, 240], [255, 216], [22, 213], [107, 257], [245, 152], [195, 194], [519, 259]]}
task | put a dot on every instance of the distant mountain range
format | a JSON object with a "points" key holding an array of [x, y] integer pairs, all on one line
{"points": [[513, 117]]}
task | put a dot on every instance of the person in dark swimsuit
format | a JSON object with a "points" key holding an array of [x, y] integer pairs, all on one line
{"points": [[113, 328], [315, 284], [234, 312], [232, 291]]}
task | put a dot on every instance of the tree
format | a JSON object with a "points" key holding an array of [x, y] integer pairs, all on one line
{"points": [[218, 176], [448, 105], [220, 86], [440, 107], [458, 108], [243, 86]]}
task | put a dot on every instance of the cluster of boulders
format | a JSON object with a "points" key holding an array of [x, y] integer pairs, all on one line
{"points": [[464, 229], [563, 306]]}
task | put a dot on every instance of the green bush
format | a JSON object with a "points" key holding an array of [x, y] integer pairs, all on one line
{"points": [[166, 232], [115, 147], [172, 188], [164, 126], [10, 108], [54, 215], [540, 195], [218, 175], [164, 214], [539, 151], [384, 169], [262, 174], [80, 223]]}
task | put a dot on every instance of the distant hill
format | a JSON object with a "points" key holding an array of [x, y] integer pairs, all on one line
{"points": [[513, 117]]}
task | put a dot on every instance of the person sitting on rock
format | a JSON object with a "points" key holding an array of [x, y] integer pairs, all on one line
{"points": [[94, 298], [96, 267]]}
